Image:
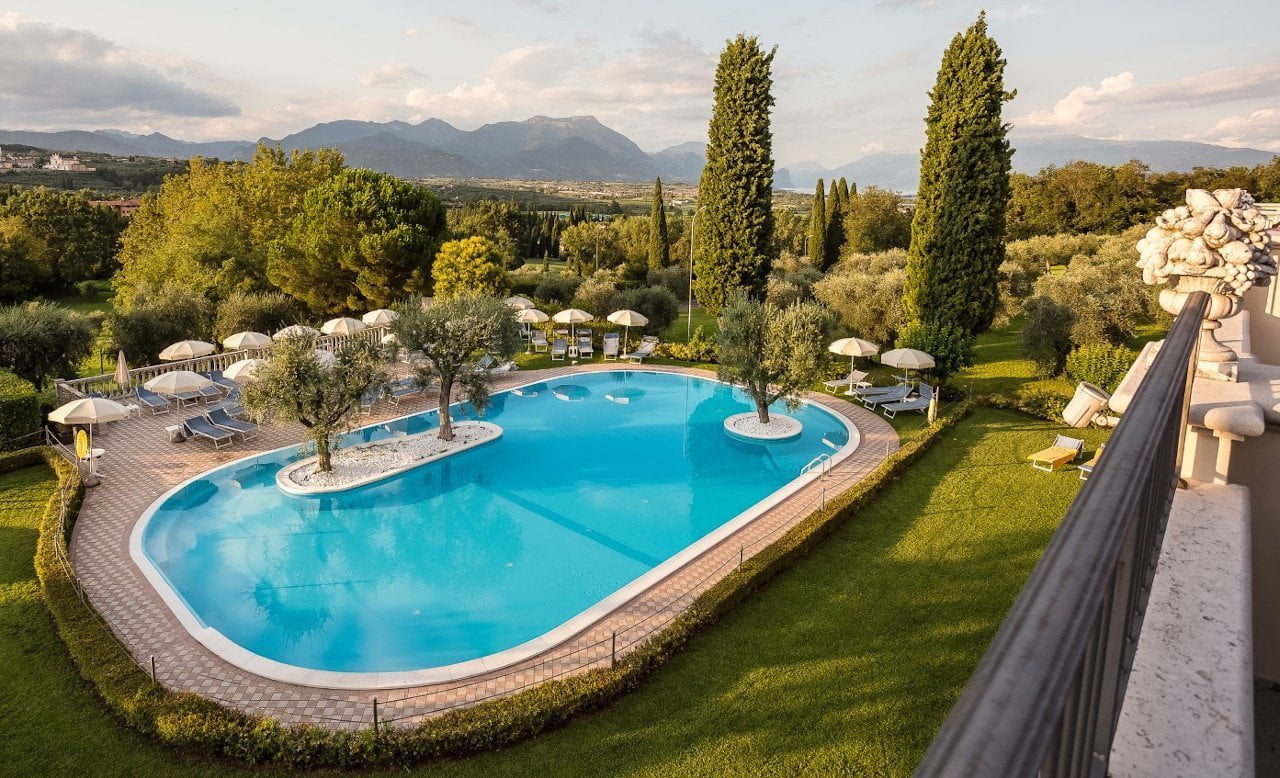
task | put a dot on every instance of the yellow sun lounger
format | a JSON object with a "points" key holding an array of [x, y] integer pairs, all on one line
{"points": [[1086, 469], [1063, 450]]}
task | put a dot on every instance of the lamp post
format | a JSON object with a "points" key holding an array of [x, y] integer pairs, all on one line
{"points": [[689, 311]]}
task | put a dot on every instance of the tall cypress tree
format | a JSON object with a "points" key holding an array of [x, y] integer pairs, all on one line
{"points": [[844, 192], [957, 234], [835, 225], [817, 243], [659, 247], [734, 231]]}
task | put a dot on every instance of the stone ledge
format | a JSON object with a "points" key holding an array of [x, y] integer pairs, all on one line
{"points": [[748, 426]]}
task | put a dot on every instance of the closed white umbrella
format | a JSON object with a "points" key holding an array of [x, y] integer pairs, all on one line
{"points": [[380, 318], [519, 303], [853, 348], [907, 359], [245, 368], [572, 316], [295, 330], [628, 319], [90, 411], [122, 370], [246, 340], [187, 349], [342, 326], [178, 382]]}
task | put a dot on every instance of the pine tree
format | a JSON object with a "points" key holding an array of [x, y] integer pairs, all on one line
{"points": [[659, 247], [817, 243], [734, 231], [957, 234], [835, 226]]}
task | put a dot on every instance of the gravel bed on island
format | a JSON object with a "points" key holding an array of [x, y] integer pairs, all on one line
{"points": [[367, 462], [748, 425]]}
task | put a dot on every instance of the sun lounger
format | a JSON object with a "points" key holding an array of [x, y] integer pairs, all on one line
{"points": [[539, 341], [893, 395], [211, 392], [155, 402], [199, 425], [490, 365], [868, 390], [1063, 450], [401, 389], [218, 378], [856, 379], [610, 348], [920, 403], [585, 349], [1086, 469], [220, 418], [370, 398], [645, 350], [559, 349]]}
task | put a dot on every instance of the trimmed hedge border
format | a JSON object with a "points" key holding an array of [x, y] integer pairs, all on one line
{"points": [[192, 723]]}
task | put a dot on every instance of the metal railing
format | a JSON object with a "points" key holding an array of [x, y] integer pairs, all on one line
{"points": [[1046, 697], [107, 386]]}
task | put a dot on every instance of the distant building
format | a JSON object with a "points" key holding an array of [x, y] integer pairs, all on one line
{"points": [[15, 162], [67, 164], [123, 207]]}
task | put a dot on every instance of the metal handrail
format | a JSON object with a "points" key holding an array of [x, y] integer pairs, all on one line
{"points": [[1046, 697], [820, 460]]}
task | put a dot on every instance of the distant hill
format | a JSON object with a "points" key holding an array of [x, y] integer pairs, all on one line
{"points": [[580, 148]]}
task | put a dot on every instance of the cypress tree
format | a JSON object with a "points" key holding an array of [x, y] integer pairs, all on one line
{"points": [[659, 248], [957, 233], [817, 243], [835, 225], [844, 192], [734, 231]]}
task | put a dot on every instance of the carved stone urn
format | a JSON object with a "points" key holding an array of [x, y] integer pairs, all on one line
{"points": [[1217, 243]]}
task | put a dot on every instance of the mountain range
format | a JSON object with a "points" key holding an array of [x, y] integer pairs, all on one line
{"points": [[580, 148]]}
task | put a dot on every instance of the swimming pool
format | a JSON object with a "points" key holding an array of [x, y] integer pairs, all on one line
{"points": [[601, 484]]}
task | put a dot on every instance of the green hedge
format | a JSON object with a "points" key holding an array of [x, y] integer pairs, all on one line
{"points": [[187, 721], [19, 412]]}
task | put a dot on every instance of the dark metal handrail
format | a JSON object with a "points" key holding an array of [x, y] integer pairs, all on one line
{"points": [[1045, 699]]}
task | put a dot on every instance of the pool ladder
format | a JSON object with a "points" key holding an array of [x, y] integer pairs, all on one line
{"points": [[821, 462]]}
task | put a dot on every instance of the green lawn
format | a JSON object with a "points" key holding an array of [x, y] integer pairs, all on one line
{"points": [[847, 663]]}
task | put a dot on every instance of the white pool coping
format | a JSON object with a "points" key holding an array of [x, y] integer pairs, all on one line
{"points": [[235, 654], [292, 487], [786, 428]]}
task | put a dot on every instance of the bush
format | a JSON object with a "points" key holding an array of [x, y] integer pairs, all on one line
{"points": [[949, 344], [557, 288], [594, 294], [1046, 334], [469, 266], [1108, 299], [657, 303], [264, 312], [674, 279], [157, 318], [1100, 364], [865, 292], [700, 348], [20, 414], [39, 340]]}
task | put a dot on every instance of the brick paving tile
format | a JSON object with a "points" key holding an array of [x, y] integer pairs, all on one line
{"points": [[141, 464]]}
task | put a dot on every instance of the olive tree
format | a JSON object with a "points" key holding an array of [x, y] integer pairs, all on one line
{"points": [[773, 353], [39, 340], [452, 336], [296, 386]]}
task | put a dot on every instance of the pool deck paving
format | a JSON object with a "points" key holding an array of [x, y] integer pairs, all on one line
{"points": [[141, 464]]}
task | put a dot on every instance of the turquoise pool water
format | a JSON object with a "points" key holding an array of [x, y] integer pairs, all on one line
{"points": [[597, 479]]}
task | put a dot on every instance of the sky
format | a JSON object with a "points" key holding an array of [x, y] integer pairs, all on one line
{"points": [[850, 78]]}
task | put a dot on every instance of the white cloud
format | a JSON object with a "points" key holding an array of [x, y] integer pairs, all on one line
{"points": [[1257, 82], [52, 74], [896, 4], [1015, 12], [411, 32], [872, 147], [391, 74], [1082, 104], [1259, 129]]}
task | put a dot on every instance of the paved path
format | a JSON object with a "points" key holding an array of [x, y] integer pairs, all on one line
{"points": [[141, 465]]}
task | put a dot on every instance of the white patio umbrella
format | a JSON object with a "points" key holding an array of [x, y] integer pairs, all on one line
{"points": [[519, 303], [628, 319], [246, 340], [572, 317], [177, 382], [89, 411], [380, 318], [342, 326], [245, 368], [187, 349], [528, 317], [907, 359], [853, 348], [294, 330], [121, 376]]}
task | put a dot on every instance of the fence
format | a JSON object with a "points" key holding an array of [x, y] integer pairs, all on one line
{"points": [[107, 386], [1045, 699]]}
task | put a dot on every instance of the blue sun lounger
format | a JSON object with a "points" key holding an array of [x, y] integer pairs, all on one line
{"points": [[202, 427], [155, 402], [222, 419]]}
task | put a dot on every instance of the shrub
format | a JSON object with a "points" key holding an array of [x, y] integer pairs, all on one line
{"points": [[469, 266], [949, 344], [557, 288], [1100, 364], [700, 348], [1040, 400], [256, 312], [158, 317], [1107, 298], [865, 292], [19, 412], [594, 294], [39, 340], [657, 303], [1046, 334], [674, 278]]}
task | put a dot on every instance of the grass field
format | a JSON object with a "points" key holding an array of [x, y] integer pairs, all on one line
{"points": [[847, 663]]}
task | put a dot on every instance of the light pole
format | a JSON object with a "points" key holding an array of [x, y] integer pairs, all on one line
{"points": [[689, 312]]}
